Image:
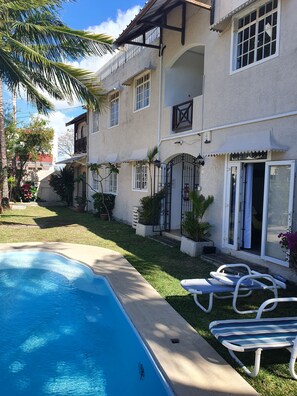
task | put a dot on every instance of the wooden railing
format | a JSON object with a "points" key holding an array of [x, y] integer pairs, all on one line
{"points": [[80, 145], [182, 116]]}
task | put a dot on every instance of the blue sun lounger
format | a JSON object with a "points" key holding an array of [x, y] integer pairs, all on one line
{"points": [[257, 335], [232, 281]]}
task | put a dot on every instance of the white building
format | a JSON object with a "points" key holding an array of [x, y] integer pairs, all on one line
{"points": [[210, 83]]}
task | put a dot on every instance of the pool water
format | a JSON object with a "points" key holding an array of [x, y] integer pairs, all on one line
{"points": [[63, 332]]}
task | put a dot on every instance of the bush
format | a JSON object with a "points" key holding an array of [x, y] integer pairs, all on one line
{"points": [[63, 184], [193, 226], [150, 209], [104, 203], [28, 192]]}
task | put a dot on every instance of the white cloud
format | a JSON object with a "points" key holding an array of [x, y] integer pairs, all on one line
{"points": [[111, 28]]}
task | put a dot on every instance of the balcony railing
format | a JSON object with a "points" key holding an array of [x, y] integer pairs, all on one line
{"points": [[80, 145], [182, 116], [129, 52]]}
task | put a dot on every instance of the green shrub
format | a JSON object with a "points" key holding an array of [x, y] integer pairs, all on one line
{"points": [[63, 184], [103, 203], [150, 209]]}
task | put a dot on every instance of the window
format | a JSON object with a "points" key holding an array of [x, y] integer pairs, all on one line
{"points": [[256, 35], [96, 122], [95, 181], [140, 176], [111, 183], [114, 100], [142, 91]]}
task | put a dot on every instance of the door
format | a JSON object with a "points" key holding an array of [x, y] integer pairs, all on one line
{"points": [[252, 206], [278, 207], [232, 205]]}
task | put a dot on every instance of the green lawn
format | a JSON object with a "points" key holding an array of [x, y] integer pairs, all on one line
{"points": [[162, 266]]}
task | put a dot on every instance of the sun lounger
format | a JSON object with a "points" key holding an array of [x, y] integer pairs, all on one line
{"points": [[258, 335], [224, 284]]}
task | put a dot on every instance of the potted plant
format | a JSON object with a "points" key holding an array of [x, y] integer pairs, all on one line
{"points": [[81, 203], [104, 204], [195, 230], [149, 213]]}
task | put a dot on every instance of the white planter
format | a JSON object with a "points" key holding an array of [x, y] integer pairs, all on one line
{"points": [[144, 230], [193, 248]]}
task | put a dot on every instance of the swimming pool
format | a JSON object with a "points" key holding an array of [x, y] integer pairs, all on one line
{"points": [[63, 332]]}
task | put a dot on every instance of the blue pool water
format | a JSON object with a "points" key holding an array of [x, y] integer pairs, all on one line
{"points": [[63, 332]]}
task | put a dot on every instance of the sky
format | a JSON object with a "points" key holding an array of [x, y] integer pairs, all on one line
{"points": [[108, 17]]}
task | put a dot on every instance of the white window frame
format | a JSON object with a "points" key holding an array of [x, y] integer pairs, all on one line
{"points": [[140, 84], [114, 109], [235, 31], [95, 182], [111, 182], [140, 177], [96, 115]]}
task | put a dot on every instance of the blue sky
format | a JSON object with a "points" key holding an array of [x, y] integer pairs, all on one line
{"points": [[85, 13], [109, 17]]}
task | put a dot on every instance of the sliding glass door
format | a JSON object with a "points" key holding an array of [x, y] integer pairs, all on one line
{"points": [[278, 207]]}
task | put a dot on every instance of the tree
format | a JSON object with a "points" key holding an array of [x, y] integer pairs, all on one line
{"points": [[66, 144], [34, 48], [29, 144], [103, 200]]}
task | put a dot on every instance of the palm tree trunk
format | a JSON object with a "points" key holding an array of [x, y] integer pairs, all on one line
{"points": [[14, 104], [4, 187]]}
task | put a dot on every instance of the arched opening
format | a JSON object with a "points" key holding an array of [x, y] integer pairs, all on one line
{"points": [[183, 84]]}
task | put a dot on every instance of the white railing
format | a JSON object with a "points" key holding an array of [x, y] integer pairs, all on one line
{"points": [[129, 52]]}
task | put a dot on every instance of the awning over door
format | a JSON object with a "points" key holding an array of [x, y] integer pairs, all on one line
{"points": [[111, 158], [248, 143]]}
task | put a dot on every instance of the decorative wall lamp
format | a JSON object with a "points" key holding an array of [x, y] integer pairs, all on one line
{"points": [[157, 163], [200, 160]]}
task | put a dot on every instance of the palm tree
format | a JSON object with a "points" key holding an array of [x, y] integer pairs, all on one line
{"points": [[35, 46]]}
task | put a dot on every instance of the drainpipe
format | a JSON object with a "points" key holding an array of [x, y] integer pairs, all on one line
{"points": [[160, 99]]}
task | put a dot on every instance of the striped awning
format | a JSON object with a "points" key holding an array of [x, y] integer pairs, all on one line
{"points": [[248, 143]]}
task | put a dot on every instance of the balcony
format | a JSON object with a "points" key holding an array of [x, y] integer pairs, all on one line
{"points": [[80, 145], [182, 116]]}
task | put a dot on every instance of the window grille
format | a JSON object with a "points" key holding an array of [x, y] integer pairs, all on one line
{"points": [[142, 91], [256, 35]]}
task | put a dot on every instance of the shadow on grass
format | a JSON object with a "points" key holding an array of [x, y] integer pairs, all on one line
{"points": [[144, 254]]}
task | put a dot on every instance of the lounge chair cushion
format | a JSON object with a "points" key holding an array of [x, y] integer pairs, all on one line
{"points": [[251, 334]]}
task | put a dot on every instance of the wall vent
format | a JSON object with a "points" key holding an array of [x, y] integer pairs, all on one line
{"points": [[135, 216]]}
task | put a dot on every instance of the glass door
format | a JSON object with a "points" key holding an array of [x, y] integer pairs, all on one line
{"points": [[232, 205], [278, 207]]}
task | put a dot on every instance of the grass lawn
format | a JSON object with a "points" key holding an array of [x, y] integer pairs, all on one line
{"points": [[162, 266]]}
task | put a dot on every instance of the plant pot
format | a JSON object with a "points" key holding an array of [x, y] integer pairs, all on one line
{"points": [[104, 216], [193, 248], [144, 230], [80, 208]]}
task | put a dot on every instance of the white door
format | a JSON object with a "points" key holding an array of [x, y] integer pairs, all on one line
{"points": [[278, 207], [231, 223]]}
